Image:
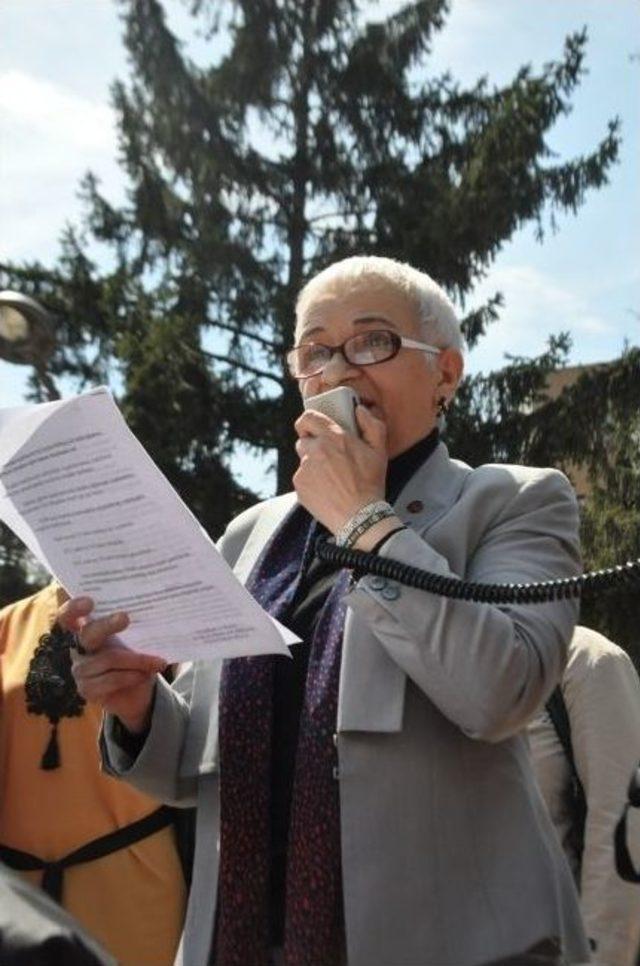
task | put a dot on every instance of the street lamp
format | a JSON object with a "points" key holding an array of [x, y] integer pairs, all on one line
{"points": [[27, 336]]}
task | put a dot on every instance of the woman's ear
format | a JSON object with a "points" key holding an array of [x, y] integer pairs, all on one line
{"points": [[451, 366]]}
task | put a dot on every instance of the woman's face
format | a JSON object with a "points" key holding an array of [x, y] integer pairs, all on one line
{"points": [[404, 391]]}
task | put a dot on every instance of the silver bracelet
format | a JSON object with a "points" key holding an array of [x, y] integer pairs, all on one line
{"points": [[362, 521], [371, 521]]}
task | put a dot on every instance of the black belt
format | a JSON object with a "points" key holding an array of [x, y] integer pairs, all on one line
{"points": [[52, 880]]}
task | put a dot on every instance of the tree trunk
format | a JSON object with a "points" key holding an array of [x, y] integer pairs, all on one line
{"points": [[287, 456], [291, 406]]}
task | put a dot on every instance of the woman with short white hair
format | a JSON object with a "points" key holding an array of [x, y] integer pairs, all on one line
{"points": [[370, 801]]}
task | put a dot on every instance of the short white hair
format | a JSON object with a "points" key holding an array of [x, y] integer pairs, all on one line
{"points": [[437, 315]]}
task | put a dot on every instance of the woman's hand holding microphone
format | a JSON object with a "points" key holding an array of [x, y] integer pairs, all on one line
{"points": [[340, 473]]}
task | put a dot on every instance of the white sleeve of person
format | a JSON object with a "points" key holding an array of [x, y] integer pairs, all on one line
{"points": [[602, 694]]}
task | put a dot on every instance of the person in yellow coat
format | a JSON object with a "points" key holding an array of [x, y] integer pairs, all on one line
{"points": [[107, 852]]}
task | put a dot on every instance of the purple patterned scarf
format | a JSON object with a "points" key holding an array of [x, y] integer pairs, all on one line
{"points": [[313, 914]]}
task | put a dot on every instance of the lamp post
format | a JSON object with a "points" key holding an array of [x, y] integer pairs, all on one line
{"points": [[27, 336]]}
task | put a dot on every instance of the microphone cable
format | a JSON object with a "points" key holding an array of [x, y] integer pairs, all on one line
{"points": [[621, 577]]}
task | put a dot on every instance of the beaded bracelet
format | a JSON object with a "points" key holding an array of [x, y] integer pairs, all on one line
{"points": [[362, 521], [366, 525]]}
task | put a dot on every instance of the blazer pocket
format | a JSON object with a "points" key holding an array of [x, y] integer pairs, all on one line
{"points": [[372, 686]]}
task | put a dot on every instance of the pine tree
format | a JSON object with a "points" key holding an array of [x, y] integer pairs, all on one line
{"points": [[312, 134]]}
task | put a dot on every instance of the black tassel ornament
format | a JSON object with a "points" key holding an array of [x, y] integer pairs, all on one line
{"points": [[51, 757], [51, 690]]}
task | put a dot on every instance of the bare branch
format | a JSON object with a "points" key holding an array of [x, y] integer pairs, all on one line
{"points": [[249, 335], [261, 373], [342, 214]]}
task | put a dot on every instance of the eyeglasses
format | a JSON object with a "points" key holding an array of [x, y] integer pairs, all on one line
{"points": [[364, 349]]}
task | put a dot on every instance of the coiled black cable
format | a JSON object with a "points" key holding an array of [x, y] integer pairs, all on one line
{"points": [[622, 577]]}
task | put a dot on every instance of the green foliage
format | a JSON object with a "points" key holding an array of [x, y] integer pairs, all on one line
{"points": [[611, 535], [502, 417], [169, 387], [19, 576]]}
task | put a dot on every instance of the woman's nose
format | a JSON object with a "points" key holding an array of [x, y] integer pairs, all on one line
{"points": [[336, 370]]}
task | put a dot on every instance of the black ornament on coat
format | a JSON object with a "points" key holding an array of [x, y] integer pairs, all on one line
{"points": [[51, 690]]}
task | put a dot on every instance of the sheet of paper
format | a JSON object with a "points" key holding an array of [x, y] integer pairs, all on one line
{"points": [[81, 492]]}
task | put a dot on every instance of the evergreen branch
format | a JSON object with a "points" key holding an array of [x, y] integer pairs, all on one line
{"points": [[47, 383]]}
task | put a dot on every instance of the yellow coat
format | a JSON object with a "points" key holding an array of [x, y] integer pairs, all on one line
{"points": [[132, 900]]}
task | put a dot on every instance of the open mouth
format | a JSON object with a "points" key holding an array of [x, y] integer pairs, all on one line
{"points": [[372, 407]]}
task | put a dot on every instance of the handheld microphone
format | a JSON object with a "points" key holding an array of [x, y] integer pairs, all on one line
{"points": [[339, 404]]}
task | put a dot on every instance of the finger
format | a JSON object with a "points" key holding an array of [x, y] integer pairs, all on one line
{"points": [[95, 634], [74, 612], [106, 686], [112, 658], [305, 445], [314, 423], [373, 430]]}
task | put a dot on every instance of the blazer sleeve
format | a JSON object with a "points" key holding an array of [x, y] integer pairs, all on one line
{"points": [[155, 769], [602, 695], [487, 668]]}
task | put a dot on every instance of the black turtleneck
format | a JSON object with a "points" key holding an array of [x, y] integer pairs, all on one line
{"points": [[290, 678], [402, 467]]}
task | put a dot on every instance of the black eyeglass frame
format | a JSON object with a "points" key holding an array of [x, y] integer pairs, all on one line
{"points": [[399, 342]]}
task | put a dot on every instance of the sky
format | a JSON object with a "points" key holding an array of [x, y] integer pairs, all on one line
{"points": [[58, 59]]}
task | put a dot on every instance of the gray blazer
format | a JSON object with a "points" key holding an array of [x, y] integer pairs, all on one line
{"points": [[448, 855]]}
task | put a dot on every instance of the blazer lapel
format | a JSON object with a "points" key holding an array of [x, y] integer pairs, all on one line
{"points": [[372, 686], [431, 491], [267, 523]]}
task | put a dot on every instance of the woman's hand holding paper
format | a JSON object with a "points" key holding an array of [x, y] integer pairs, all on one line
{"points": [[108, 673]]}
